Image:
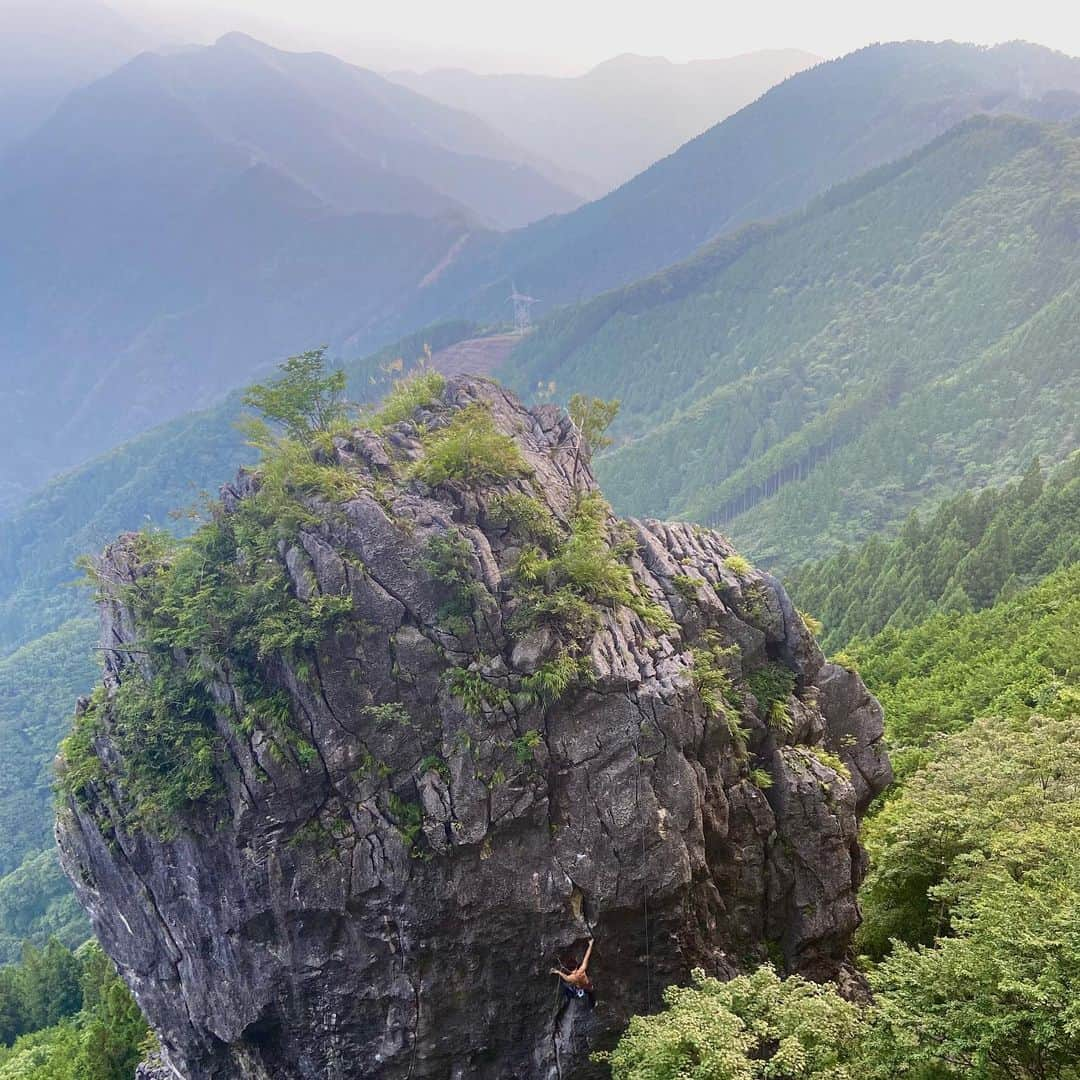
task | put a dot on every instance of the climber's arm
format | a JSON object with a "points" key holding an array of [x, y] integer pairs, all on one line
{"points": [[588, 953]]}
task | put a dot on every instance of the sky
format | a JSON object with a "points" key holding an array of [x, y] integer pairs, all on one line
{"points": [[569, 36]]}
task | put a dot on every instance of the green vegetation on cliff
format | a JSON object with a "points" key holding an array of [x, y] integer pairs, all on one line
{"points": [[223, 600]]}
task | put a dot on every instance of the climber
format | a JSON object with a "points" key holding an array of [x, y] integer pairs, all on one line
{"points": [[576, 983]]}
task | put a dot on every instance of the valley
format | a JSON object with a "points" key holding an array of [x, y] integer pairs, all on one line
{"points": [[715, 623]]}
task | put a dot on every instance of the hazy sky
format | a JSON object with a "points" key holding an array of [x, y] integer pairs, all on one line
{"points": [[570, 35]]}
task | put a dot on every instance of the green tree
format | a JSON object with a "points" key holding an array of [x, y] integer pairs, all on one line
{"points": [[755, 1027], [51, 981], [592, 416], [1000, 998], [12, 1013], [986, 783], [304, 399]]}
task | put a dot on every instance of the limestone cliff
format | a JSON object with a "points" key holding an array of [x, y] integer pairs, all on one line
{"points": [[482, 759]]}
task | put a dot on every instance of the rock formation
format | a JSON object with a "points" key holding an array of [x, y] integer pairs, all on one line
{"points": [[484, 761]]}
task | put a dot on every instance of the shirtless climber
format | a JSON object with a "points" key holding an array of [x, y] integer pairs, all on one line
{"points": [[576, 983]]}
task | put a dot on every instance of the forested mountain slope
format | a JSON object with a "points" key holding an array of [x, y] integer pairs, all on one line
{"points": [[913, 331], [817, 129], [618, 118], [963, 556], [183, 221], [38, 684]]}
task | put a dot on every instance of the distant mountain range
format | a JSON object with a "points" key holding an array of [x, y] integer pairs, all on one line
{"points": [[48, 49], [190, 216], [814, 130], [189, 219], [614, 121]]}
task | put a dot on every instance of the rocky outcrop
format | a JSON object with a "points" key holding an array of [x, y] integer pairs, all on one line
{"points": [[389, 902]]}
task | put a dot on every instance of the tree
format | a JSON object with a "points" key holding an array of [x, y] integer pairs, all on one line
{"points": [[755, 1027], [12, 1012], [51, 984], [303, 400], [999, 1000], [953, 815], [592, 416]]}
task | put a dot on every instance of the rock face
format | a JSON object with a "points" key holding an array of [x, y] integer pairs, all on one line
{"points": [[391, 904]]}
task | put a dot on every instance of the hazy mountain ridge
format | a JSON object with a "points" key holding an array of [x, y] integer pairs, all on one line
{"points": [[161, 244], [181, 262], [619, 117], [815, 130], [42, 59]]}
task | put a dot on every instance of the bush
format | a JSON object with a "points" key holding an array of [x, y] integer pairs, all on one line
{"points": [[470, 450], [551, 680], [772, 684], [755, 1027], [714, 686], [738, 565], [477, 695], [588, 566], [830, 761], [448, 558], [422, 387], [527, 517]]}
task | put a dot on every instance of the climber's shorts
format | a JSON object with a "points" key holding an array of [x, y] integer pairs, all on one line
{"points": [[576, 993]]}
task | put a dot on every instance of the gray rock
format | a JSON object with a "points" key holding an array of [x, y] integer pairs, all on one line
{"points": [[391, 907]]}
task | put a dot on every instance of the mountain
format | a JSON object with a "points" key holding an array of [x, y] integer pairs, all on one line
{"points": [[913, 332], [187, 218], [345, 701], [816, 129], [178, 225], [49, 49], [617, 119]]}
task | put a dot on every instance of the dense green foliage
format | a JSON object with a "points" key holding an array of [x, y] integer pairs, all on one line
{"points": [[36, 903], [911, 333], [998, 998], [38, 687], [1020, 656], [980, 799], [70, 1018], [755, 1027], [971, 551], [974, 888]]}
